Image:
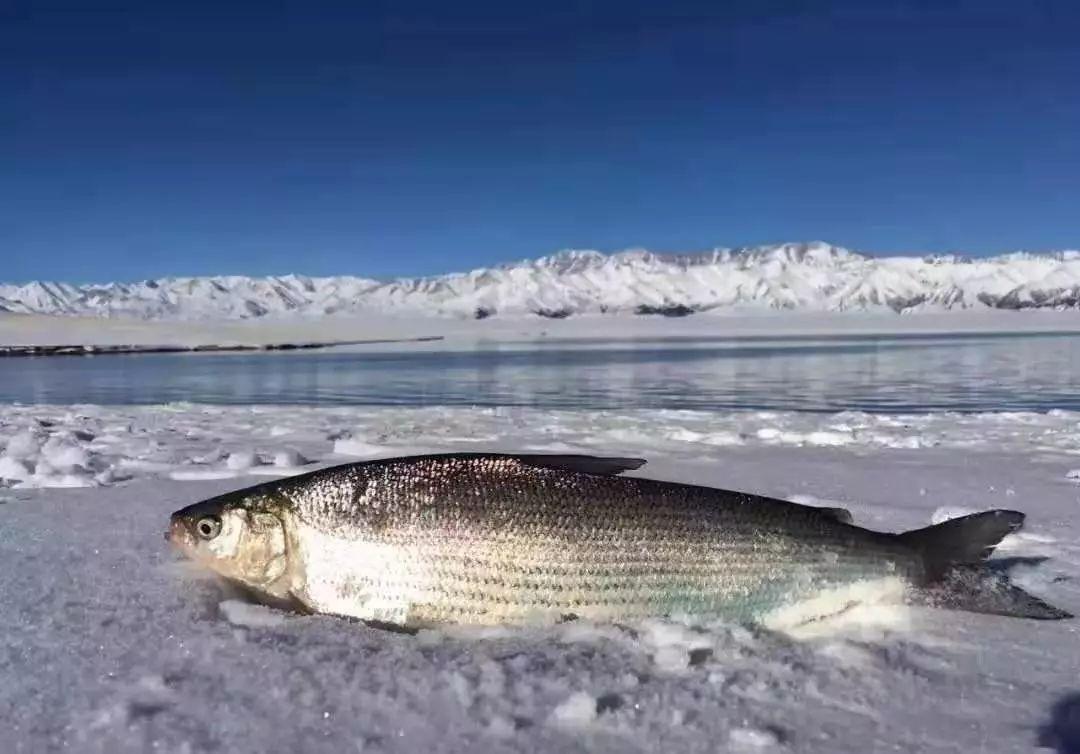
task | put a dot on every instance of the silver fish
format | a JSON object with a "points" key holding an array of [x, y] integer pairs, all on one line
{"points": [[487, 538]]}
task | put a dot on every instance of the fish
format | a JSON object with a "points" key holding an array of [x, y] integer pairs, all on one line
{"points": [[496, 539]]}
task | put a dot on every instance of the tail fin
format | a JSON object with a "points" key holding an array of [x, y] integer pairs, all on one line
{"points": [[961, 541], [954, 553]]}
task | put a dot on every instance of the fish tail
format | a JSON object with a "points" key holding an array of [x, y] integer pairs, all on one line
{"points": [[957, 576], [961, 541]]}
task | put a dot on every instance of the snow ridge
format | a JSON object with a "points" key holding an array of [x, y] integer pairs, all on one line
{"points": [[795, 276]]}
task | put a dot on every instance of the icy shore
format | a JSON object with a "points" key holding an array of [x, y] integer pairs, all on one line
{"points": [[24, 330], [79, 446], [110, 645]]}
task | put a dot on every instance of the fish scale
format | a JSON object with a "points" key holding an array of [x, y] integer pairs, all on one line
{"points": [[481, 537], [495, 538]]}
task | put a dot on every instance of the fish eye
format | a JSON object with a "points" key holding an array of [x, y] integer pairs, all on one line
{"points": [[208, 527]]}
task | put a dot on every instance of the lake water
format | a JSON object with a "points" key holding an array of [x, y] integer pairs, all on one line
{"points": [[890, 374]]}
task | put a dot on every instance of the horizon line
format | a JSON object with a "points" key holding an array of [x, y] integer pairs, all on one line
{"points": [[744, 249]]}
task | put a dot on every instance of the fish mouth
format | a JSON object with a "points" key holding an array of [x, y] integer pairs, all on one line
{"points": [[178, 536]]}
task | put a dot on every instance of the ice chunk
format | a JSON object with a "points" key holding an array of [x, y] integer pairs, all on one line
{"points": [[348, 446], [213, 456], [576, 711], [829, 439], [109, 476], [289, 457], [64, 455], [672, 643], [70, 480], [241, 459], [779, 436], [22, 446], [13, 469], [744, 739], [241, 613], [681, 434]]}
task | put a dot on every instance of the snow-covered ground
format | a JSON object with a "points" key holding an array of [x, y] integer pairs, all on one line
{"points": [[51, 330], [797, 276], [109, 644]]}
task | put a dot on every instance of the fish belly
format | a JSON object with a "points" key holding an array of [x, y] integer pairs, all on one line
{"points": [[419, 578]]}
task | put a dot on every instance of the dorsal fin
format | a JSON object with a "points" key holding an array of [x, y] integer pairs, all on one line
{"points": [[604, 466], [843, 515]]}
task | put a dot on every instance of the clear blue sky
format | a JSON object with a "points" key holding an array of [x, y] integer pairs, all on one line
{"points": [[401, 138]]}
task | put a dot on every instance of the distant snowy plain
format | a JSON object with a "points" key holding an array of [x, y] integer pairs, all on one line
{"points": [[109, 644]]}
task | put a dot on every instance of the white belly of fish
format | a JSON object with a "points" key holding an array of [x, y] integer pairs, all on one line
{"points": [[357, 578], [877, 601]]}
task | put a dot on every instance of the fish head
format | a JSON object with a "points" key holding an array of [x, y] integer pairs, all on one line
{"points": [[240, 536]]}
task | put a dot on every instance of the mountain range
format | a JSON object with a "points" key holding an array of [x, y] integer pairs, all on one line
{"points": [[794, 276]]}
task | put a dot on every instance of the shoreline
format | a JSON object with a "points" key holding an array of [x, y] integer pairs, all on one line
{"points": [[39, 335], [39, 351], [127, 349]]}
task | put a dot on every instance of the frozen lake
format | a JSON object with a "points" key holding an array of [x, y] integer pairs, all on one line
{"points": [[115, 646], [880, 374]]}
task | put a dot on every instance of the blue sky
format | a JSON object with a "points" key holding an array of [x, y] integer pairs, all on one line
{"points": [[402, 137]]}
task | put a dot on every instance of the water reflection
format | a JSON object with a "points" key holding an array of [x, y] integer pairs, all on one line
{"points": [[883, 374]]}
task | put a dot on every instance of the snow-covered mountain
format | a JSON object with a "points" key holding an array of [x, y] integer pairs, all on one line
{"points": [[810, 276]]}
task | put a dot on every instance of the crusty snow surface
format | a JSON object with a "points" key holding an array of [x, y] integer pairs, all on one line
{"points": [[109, 644], [794, 276]]}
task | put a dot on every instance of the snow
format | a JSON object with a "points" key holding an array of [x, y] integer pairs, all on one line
{"points": [[794, 276], [752, 739], [577, 711], [241, 460], [106, 446], [595, 331], [241, 613], [111, 644], [13, 469], [349, 446], [289, 458]]}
